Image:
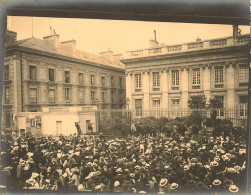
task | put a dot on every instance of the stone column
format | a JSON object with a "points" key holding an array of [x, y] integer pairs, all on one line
{"points": [[164, 88], [129, 84], [146, 90], [206, 81], [229, 83], [184, 83]]}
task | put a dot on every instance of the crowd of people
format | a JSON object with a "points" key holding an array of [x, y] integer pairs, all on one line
{"points": [[131, 164]]}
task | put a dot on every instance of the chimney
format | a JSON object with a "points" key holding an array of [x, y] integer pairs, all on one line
{"points": [[10, 37], [236, 31], [53, 39], [198, 40], [71, 44], [118, 57], [153, 43]]}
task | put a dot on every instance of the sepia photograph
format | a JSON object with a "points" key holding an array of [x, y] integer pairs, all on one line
{"points": [[123, 106]]}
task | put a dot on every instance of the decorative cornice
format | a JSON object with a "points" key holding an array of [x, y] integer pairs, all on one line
{"points": [[146, 72], [163, 70], [232, 64]]}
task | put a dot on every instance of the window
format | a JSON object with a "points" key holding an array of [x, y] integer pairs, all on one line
{"points": [[196, 78], [243, 74], [80, 76], [32, 72], [175, 103], [156, 107], [51, 75], [138, 107], [67, 76], [6, 73], [112, 81], [51, 95], [7, 94], [33, 95], [175, 79], [243, 105], [112, 96], [103, 81], [137, 81], [92, 80], [221, 111], [7, 118], [103, 96], [156, 79], [218, 77], [120, 82], [67, 95], [81, 96], [93, 96]]}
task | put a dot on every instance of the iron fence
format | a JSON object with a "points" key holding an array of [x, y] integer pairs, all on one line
{"points": [[237, 115]]}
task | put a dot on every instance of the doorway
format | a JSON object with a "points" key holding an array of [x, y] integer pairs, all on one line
{"points": [[87, 124], [58, 127]]}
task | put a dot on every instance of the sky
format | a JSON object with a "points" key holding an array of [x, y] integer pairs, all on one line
{"points": [[119, 36]]}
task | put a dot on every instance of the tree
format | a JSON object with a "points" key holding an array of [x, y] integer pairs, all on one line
{"points": [[215, 104], [197, 102]]}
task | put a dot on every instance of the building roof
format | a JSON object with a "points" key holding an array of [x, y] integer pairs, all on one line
{"points": [[47, 46]]}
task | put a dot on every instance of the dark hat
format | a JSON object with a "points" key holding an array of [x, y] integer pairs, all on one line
{"points": [[200, 185]]}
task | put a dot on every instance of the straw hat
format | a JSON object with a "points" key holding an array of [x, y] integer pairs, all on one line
{"points": [[216, 182], [186, 167], [34, 175], [214, 163], [233, 188], [119, 170], [231, 170], [217, 158], [174, 186], [80, 187], [163, 182], [116, 184]]}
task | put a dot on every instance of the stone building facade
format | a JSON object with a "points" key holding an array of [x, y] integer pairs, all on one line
{"points": [[44, 72], [161, 79]]}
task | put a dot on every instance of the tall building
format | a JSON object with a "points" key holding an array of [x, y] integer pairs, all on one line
{"points": [[42, 73], [161, 79]]}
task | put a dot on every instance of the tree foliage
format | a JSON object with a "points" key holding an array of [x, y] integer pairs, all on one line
{"points": [[197, 102], [215, 103], [114, 125]]}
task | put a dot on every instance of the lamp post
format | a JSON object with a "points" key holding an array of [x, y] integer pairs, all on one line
{"points": [[128, 111], [97, 115]]}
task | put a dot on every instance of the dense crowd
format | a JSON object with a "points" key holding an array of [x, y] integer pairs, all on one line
{"points": [[132, 164]]}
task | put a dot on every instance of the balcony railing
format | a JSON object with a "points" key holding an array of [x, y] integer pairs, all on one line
{"points": [[195, 45], [207, 44], [137, 53], [64, 109], [155, 50], [220, 42], [174, 48], [243, 38]]}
